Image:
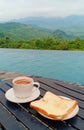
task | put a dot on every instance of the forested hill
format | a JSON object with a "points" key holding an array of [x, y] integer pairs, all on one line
{"points": [[16, 35], [39, 27], [72, 25], [32, 36], [20, 31]]}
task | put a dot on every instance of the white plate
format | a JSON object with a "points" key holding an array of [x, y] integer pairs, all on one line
{"points": [[12, 98], [71, 115]]}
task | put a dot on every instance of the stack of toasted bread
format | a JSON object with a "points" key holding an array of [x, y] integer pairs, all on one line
{"points": [[54, 106]]}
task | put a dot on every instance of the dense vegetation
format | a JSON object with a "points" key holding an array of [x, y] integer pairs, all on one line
{"points": [[46, 43], [21, 31], [17, 35]]}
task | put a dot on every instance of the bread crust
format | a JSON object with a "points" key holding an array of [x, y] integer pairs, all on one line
{"points": [[35, 105]]}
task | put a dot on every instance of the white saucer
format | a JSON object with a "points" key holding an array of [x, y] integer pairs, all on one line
{"points": [[71, 115], [12, 98]]}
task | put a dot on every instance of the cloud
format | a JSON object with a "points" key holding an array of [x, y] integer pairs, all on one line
{"points": [[12, 9]]}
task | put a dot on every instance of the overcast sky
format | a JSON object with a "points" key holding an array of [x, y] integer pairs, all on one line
{"points": [[13, 9]]}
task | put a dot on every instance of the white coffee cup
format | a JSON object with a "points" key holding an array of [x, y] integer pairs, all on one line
{"points": [[23, 86]]}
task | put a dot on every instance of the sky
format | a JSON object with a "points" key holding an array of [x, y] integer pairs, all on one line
{"points": [[15, 9]]}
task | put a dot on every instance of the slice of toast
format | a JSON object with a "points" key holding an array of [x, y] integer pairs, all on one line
{"points": [[54, 106]]}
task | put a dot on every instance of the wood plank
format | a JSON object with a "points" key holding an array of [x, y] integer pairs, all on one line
{"points": [[68, 123], [63, 89], [77, 123], [8, 104], [23, 116], [51, 123], [59, 88], [81, 104], [58, 92], [74, 87], [4, 87], [44, 88], [8, 121], [81, 114]]}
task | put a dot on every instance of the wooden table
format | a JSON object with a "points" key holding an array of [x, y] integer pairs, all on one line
{"points": [[15, 116]]}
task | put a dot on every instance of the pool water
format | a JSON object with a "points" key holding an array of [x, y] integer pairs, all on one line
{"points": [[60, 65]]}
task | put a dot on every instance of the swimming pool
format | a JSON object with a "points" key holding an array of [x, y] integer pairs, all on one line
{"points": [[61, 65]]}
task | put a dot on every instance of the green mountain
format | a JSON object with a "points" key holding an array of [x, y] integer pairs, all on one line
{"points": [[17, 35], [22, 31], [62, 35], [72, 25]]}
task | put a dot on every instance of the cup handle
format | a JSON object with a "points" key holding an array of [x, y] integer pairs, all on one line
{"points": [[36, 84]]}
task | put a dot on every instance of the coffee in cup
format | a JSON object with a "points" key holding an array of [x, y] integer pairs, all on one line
{"points": [[23, 86]]}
